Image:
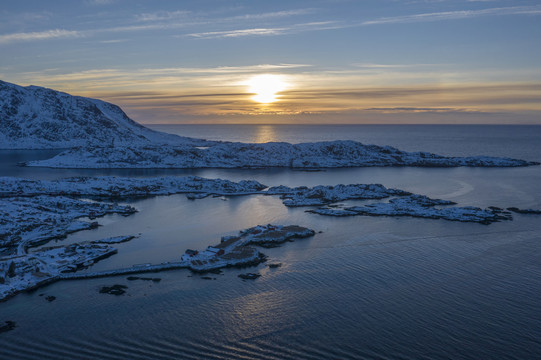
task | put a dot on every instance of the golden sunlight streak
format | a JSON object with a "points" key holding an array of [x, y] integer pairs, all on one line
{"points": [[266, 86]]}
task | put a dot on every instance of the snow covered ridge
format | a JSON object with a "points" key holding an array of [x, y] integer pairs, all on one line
{"points": [[330, 154], [33, 117]]}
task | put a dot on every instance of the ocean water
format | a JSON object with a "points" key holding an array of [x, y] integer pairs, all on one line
{"points": [[363, 288]]}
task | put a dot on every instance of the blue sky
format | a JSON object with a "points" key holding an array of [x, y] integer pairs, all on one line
{"points": [[387, 61]]}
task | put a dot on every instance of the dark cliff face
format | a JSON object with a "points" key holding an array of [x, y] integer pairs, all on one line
{"points": [[34, 117]]}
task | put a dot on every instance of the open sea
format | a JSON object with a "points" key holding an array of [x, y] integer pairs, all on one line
{"points": [[363, 288]]}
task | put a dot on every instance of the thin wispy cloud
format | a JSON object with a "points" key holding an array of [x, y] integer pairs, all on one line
{"points": [[163, 15], [226, 69], [312, 26], [170, 20], [99, 2], [455, 15], [238, 33], [421, 110], [392, 66], [275, 14], [41, 35], [165, 20]]}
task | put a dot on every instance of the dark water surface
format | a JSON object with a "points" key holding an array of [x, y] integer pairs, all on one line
{"points": [[366, 287]]}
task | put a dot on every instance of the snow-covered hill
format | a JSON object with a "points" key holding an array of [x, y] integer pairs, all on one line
{"points": [[34, 117]]}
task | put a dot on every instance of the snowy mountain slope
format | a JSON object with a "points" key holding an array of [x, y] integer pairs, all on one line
{"points": [[34, 117]]}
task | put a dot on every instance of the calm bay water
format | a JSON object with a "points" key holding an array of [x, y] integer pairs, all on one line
{"points": [[366, 287]]}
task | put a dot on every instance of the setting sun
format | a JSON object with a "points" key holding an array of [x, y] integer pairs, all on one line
{"points": [[266, 86]]}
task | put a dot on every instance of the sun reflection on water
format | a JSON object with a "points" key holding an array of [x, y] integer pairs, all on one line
{"points": [[265, 133]]}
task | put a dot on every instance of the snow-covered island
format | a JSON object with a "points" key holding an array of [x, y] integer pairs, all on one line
{"points": [[98, 134], [30, 270], [122, 187], [420, 206], [29, 221], [329, 154]]}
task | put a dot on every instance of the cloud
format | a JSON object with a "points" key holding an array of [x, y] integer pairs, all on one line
{"points": [[435, 110], [454, 15], [392, 66], [220, 90], [42, 35], [311, 26], [276, 14], [99, 2], [162, 15], [238, 33]]}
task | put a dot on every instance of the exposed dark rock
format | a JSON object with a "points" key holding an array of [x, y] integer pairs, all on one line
{"points": [[249, 276], [113, 290], [524, 211], [8, 326], [131, 278], [50, 298]]}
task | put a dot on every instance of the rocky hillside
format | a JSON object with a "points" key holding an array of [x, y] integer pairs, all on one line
{"points": [[34, 117]]}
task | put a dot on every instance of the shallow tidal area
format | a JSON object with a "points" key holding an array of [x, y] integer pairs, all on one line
{"points": [[365, 287]]}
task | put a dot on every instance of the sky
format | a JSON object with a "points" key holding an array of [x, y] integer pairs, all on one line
{"points": [[299, 62]]}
